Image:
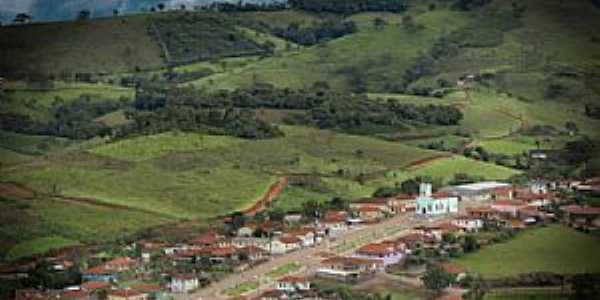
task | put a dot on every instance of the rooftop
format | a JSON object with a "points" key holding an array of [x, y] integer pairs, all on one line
{"points": [[480, 186]]}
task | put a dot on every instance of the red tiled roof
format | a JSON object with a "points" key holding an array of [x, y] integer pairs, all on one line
{"points": [[342, 260], [376, 249], [98, 270], [293, 279], [222, 251], [368, 209], [206, 239], [78, 294], [147, 288], [335, 217], [453, 268], [441, 195], [125, 293], [120, 262], [481, 209], [287, 239], [95, 285], [300, 231], [533, 197], [184, 276], [508, 203], [251, 250], [581, 210]]}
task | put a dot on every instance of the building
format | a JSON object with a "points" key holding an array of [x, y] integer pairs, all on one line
{"points": [[273, 295], [252, 253], [241, 242], [482, 191], [469, 224], [485, 213], [306, 235], [126, 294], [508, 208], [335, 222], [390, 253], [285, 244], [349, 269], [184, 283], [292, 284], [429, 204], [582, 217], [370, 213]]}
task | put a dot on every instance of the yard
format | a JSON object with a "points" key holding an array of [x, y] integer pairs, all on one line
{"points": [[284, 270], [554, 248], [241, 288]]}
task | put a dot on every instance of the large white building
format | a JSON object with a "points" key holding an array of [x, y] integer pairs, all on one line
{"points": [[429, 204], [482, 191]]}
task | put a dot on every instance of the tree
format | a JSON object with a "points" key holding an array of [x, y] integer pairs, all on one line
{"points": [[379, 23], [21, 18], [436, 279], [571, 127], [586, 286], [161, 6], [470, 244], [84, 15]]}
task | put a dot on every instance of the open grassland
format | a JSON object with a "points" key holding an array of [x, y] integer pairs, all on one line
{"points": [[36, 102], [554, 248], [371, 56], [37, 225], [31, 144], [110, 45], [191, 175]]}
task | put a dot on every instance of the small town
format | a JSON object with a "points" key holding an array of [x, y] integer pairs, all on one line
{"points": [[299, 257], [299, 150]]}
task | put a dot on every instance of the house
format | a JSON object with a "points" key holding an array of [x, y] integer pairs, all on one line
{"points": [[221, 254], [429, 204], [508, 208], [370, 213], [94, 286], [437, 231], [418, 241], [582, 217], [292, 218], [389, 253], [306, 235], [245, 231], [242, 242], [469, 224], [334, 222], [402, 203], [482, 191], [293, 284], [209, 239], [184, 283], [99, 273], [485, 213], [538, 200], [285, 244], [459, 272], [252, 253], [349, 269], [152, 291], [126, 294], [76, 295], [380, 203]]}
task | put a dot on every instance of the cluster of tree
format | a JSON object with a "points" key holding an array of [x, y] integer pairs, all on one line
{"points": [[185, 36], [469, 4], [363, 112], [592, 111], [316, 33], [75, 120], [350, 6]]}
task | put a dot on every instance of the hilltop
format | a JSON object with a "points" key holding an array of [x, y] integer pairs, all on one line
{"points": [[169, 117]]}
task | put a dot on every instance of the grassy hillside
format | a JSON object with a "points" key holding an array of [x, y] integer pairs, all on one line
{"points": [[111, 45], [572, 252], [368, 59]]}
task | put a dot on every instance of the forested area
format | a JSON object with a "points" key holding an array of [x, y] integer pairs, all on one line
{"points": [[350, 6], [316, 33]]}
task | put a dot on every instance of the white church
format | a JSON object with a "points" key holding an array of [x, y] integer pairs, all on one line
{"points": [[437, 204]]}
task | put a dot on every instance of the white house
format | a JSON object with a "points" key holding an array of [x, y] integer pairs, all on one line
{"points": [[389, 253], [184, 283], [429, 204], [469, 224], [293, 284], [482, 191], [335, 222], [285, 244]]}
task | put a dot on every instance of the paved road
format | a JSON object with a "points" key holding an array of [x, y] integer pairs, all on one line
{"points": [[308, 257]]}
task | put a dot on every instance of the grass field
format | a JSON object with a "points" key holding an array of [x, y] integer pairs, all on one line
{"points": [[37, 225], [554, 248], [375, 56], [241, 288], [24, 99], [284, 270], [110, 45], [31, 144]]}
